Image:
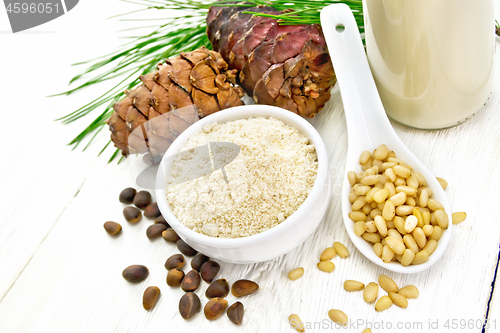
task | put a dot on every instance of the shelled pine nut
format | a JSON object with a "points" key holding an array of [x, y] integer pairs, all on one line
{"points": [[391, 200]]}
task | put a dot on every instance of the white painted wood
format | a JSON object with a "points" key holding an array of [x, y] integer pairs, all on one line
{"points": [[60, 272]]}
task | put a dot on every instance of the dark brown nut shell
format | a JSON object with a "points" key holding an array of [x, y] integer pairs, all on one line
{"points": [[142, 199], [215, 308], [112, 228], [243, 288], [150, 297], [189, 305], [170, 235], [161, 220], [174, 277], [235, 313], [127, 195], [199, 260], [152, 211], [218, 288], [135, 273], [175, 261], [191, 281], [186, 249], [155, 230], [132, 214], [209, 270]]}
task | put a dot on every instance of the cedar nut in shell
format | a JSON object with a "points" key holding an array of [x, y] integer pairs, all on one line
{"points": [[218, 288], [161, 220], [174, 277], [127, 195], [243, 288], [150, 297], [132, 214], [175, 261], [142, 199], [155, 230], [214, 308], [170, 235], [112, 228], [209, 270], [152, 211], [189, 305], [185, 249], [191, 281], [199, 260], [135, 273], [235, 313]]}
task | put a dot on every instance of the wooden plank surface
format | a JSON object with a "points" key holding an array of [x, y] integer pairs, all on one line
{"points": [[60, 272]]}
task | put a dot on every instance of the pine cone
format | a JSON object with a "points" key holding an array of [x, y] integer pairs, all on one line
{"points": [[182, 90], [283, 65]]}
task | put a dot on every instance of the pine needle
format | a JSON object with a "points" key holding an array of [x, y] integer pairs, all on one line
{"points": [[183, 32]]}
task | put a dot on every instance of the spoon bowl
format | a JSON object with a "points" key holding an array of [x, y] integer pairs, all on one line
{"points": [[368, 126]]}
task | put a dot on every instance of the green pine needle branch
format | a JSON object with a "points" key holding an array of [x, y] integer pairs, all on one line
{"points": [[183, 32]]}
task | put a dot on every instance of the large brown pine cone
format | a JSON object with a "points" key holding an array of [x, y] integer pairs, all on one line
{"points": [[182, 90], [283, 65]]}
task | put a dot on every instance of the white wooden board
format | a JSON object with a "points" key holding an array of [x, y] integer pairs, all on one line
{"points": [[60, 272]]}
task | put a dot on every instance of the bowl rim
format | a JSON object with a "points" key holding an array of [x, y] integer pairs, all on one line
{"points": [[232, 114]]}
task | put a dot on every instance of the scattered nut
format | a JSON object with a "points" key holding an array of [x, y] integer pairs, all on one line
{"points": [[152, 211], [150, 297], [189, 305], [191, 281], [338, 317], [199, 260], [383, 303], [243, 288], [409, 291], [218, 288], [235, 313], [326, 266], [209, 270], [328, 254], [214, 308], [174, 277], [442, 182], [142, 199], [296, 273], [175, 261], [135, 273], [112, 228], [185, 249], [170, 235], [387, 284], [341, 250], [371, 292], [155, 230], [399, 300], [352, 285], [132, 214], [458, 217], [296, 323], [127, 195]]}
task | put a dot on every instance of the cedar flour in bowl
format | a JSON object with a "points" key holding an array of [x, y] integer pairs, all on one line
{"points": [[269, 174]]}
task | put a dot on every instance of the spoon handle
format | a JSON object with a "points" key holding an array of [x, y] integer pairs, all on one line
{"points": [[367, 123]]}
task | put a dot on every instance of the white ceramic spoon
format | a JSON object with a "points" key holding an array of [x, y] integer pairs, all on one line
{"points": [[367, 124]]}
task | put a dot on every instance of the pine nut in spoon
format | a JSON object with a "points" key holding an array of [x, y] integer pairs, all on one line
{"points": [[368, 127]]}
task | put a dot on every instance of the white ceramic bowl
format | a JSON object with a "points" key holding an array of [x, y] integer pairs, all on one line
{"points": [[275, 241]]}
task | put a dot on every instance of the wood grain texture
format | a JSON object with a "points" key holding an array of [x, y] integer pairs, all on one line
{"points": [[60, 271]]}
